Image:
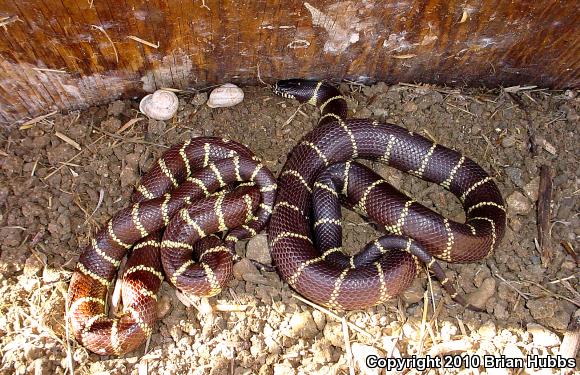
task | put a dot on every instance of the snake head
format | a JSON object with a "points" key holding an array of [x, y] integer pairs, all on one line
{"points": [[299, 89]]}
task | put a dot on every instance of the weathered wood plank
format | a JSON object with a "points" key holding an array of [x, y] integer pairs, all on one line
{"points": [[71, 54]]}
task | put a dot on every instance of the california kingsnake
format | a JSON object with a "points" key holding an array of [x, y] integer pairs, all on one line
{"points": [[182, 193], [305, 231]]}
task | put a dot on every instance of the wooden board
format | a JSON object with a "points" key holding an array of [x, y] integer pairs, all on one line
{"points": [[68, 54]]}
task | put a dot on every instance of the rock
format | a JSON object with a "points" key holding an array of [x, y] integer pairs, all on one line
{"points": [[487, 330], [542, 336], [258, 249], [360, 352], [319, 319], [199, 99], [116, 108], [531, 189], [511, 350], [155, 127], [508, 141], [518, 203], [414, 293], [284, 368], [163, 306], [333, 333], [245, 270], [128, 176], [480, 297], [302, 325], [409, 107], [34, 264], [112, 124], [515, 175], [50, 275], [542, 308], [448, 330]]}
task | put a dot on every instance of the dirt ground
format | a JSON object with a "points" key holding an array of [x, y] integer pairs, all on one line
{"points": [[54, 196]]}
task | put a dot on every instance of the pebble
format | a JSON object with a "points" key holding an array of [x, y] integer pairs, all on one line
{"points": [[199, 99], [414, 293], [515, 175], [155, 128], [487, 329], [245, 270], [409, 107], [360, 352], [163, 306], [333, 333], [302, 325], [284, 368], [511, 350], [258, 249], [480, 297], [518, 203], [34, 264], [541, 308], [531, 189], [508, 141], [542, 336]]}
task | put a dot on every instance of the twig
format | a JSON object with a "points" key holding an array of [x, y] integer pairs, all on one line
{"points": [[347, 345], [142, 41], [292, 116], [128, 124], [543, 224], [259, 77], [330, 313], [68, 140], [71, 159], [50, 70], [28, 124], [511, 286], [570, 250], [462, 345], [461, 109], [110, 41]]}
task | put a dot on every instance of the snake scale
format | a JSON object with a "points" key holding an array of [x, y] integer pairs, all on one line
{"points": [[321, 172], [209, 185]]}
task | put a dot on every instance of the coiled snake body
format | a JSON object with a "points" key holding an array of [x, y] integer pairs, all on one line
{"points": [[305, 231], [181, 192]]}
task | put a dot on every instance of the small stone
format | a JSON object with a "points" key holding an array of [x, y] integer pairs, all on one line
{"points": [[542, 336], [199, 99], [487, 330], [128, 176], [409, 107], [542, 308], [508, 141], [333, 333], [319, 319], [360, 352], [112, 124], [245, 270], [303, 325], [116, 108], [414, 293], [34, 264], [163, 306], [258, 249], [518, 203], [50, 275], [531, 189], [515, 175], [284, 368], [480, 297], [511, 350], [155, 127]]}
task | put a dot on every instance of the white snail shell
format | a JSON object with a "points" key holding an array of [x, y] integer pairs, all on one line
{"points": [[226, 95], [161, 105]]}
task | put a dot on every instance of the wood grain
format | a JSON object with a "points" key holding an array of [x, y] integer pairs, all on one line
{"points": [[451, 42]]}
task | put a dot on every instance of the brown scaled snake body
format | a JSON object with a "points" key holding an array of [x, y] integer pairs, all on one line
{"points": [[180, 193], [321, 171]]}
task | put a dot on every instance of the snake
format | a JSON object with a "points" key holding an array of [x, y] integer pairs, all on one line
{"points": [[322, 173], [196, 189]]}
